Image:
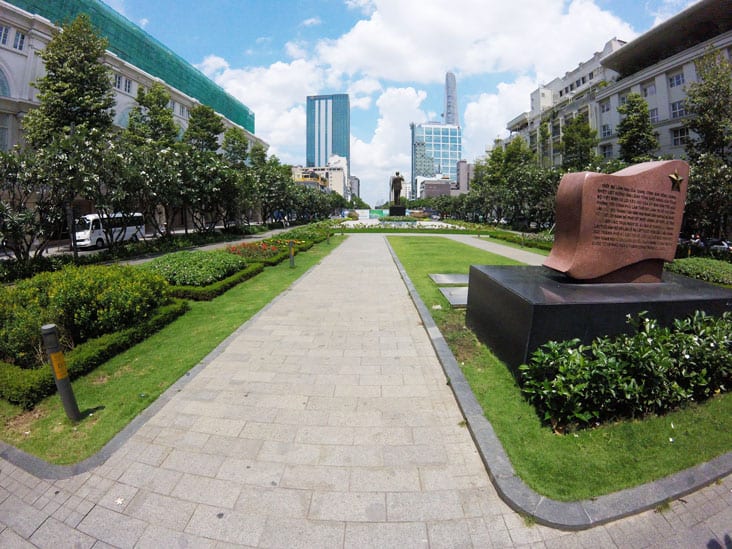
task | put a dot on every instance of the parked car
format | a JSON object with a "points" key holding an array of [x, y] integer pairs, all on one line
{"points": [[718, 245]]}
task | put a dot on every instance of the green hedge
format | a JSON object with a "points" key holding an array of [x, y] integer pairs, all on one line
{"points": [[26, 387], [652, 371], [196, 268], [702, 268], [207, 293], [84, 302]]}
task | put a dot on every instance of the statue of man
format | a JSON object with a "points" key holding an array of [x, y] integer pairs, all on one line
{"points": [[396, 187]]}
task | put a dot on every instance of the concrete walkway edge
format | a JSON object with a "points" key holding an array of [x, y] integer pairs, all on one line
{"points": [[577, 515]]}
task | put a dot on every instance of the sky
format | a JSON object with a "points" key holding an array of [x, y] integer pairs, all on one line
{"points": [[391, 57]]}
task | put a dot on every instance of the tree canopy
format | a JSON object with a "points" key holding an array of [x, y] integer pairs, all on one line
{"points": [[636, 136]]}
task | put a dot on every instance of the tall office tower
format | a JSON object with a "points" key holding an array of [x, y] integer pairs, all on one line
{"points": [[328, 129], [451, 103]]}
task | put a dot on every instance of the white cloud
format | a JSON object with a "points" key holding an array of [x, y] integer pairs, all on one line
{"points": [[389, 148], [144, 22], [296, 50], [311, 22], [117, 5], [486, 116]]}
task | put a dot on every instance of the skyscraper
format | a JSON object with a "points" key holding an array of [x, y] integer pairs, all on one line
{"points": [[328, 129], [451, 104], [437, 147]]}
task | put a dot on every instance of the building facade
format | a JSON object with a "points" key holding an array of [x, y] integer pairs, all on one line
{"points": [[437, 147], [133, 57], [658, 65], [328, 129]]}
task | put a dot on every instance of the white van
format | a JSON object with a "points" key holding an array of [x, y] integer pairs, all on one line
{"points": [[90, 229]]}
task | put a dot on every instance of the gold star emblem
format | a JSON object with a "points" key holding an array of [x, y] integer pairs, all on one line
{"points": [[676, 181]]}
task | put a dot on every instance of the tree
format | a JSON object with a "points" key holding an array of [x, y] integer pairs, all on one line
{"points": [[151, 154], [578, 144], [204, 128], [75, 93], [709, 107], [152, 119], [635, 133]]}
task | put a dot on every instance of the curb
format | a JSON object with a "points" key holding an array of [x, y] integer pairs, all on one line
{"points": [[578, 515]]}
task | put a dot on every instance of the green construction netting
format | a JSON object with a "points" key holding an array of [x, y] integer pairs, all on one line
{"points": [[134, 45]]}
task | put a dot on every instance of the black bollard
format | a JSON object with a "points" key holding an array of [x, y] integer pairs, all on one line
{"points": [[291, 244], [49, 333]]}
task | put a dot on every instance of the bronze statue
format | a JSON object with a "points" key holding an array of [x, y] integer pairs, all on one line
{"points": [[396, 187]]}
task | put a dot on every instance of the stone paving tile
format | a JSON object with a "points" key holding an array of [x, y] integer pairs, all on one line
{"points": [[8, 538], [113, 528], [423, 506], [291, 533], [254, 472], [402, 535], [226, 525], [206, 490], [142, 475], [157, 537], [279, 502], [315, 477], [186, 461], [24, 519], [53, 534], [164, 511], [348, 506]]}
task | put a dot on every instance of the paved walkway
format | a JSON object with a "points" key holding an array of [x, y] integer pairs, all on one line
{"points": [[326, 421]]}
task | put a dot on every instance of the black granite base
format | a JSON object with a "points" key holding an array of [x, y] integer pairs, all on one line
{"points": [[515, 310], [397, 211]]}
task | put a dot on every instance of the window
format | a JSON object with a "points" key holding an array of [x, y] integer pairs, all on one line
{"points": [[676, 80], [606, 150], [623, 99], [649, 89], [679, 136], [128, 85], [606, 130], [591, 75], [118, 81], [584, 79], [678, 109], [4, 124], [19, 41], [653, 114], [4, 35], [577, 83], [571, 87], [605, 106], [561, 93]]}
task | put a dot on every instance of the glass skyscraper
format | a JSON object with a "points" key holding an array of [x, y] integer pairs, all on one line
{"points": [[328, 129], [436, 147]]}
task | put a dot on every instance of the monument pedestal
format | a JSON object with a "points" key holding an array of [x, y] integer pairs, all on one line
{"points": [[515, 310], [397, 211]]}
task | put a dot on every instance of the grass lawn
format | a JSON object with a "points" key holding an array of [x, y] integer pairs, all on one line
{"points": [[574, 466], [117, 391]]}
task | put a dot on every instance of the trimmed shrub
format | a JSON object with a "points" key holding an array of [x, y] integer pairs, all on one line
{"points": [[196, 268], [652, 371], [26, 387], [84, 302], [207, 293], [702, 268]]}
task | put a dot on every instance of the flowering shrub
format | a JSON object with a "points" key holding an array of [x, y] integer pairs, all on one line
{"points": [[196, 268], [254, 251], [651, 371], [84, 302]]}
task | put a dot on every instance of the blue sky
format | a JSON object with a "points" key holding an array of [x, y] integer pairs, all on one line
{"points": [[391, 57]]}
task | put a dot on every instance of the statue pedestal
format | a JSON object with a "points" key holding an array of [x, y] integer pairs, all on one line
{"points": [[397, 211], [515, 310]]}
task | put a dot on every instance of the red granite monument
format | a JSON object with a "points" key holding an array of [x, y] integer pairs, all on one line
{"points": [[613, 234], [619, 227]]}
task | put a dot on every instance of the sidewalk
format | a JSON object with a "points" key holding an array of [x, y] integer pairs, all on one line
{"points": [[325, 421]]}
